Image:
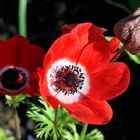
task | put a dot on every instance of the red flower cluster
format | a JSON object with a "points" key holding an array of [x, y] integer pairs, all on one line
{"points": [[77, 73], [18, 63]]}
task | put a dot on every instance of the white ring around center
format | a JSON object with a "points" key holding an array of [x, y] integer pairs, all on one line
{"points": [[71, 98]]}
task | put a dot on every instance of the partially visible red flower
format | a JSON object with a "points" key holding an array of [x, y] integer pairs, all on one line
{"points": [[77, 74], [18, 64]]}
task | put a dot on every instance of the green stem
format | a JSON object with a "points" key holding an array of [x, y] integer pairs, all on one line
{"points": [[22, 17], [83, 132], [17, 124], [56, 116]]}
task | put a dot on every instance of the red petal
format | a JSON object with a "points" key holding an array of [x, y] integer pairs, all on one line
{"points": [[33, 88], [111, 82], [11, 49], [71, 45], [2, 42], [90, 111], [95, 57], [48, 59], [114, 45], [66, 47], [44, 91], [31, 57], [88, 33]]}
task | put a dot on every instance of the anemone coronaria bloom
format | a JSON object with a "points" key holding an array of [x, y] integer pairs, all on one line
{"points": [[77, 74], [18, 64]]}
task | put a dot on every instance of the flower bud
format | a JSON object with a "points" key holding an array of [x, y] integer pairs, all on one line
{"points": [[128, 31]]}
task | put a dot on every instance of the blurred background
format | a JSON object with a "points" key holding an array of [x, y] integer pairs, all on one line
{"points": [[44, 18]]}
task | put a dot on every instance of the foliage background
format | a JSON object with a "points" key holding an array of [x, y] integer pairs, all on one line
{"points": [[44, 18]]}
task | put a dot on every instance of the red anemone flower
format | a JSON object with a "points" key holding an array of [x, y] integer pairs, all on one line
{"points": [[18, 64], [78, 74]]}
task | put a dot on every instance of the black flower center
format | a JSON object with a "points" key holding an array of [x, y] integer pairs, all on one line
{"points": [[70, 79], [67, 79], [13, 79]]}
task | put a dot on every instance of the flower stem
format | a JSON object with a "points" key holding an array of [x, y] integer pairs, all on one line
{"points": [[17, 124], [56, 116], [118, 54], [22, 17], [83, 132]]}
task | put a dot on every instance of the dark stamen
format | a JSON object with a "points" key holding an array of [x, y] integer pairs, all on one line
{"points": [[13, 79], [68, 79]]}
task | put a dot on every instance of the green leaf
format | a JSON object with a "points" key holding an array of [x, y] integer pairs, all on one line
{"points": [[16, 100], [43, 115], [109, 37], [135, 58], [64, 128], [3, 135], [95, 134], [68, 135]]}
